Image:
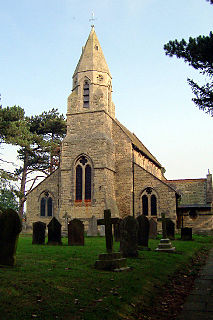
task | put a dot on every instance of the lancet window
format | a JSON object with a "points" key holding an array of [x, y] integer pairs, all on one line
{"points": [[86, 94], [149, 202], [46, 205], [83, 180]]}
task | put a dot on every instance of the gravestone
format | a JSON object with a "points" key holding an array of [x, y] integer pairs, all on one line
{"points": [[54, 232], [152, 229], [10, 227], [165, 244], [170, 229], [39, 232], [111, 261], [143, 232], [186, 234], [129, 237], [116, 229], [76, 233], [102, 231], [92, 227]]}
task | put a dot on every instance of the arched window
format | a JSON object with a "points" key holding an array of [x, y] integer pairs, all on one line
{"points": [[86, 94], [153, 205], [145, 205], [149, 202], [83, 180], [78, 186], [46, 205], [43, 206], [49, 207], [88, 182]]}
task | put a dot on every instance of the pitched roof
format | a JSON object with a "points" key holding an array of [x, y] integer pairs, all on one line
{"points": [[138, 144]]}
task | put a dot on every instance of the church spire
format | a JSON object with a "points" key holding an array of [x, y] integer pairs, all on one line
{"points": [[92, 57], [92, 87]]}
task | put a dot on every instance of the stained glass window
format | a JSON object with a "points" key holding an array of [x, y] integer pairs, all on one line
{"points": [[88, 182], [43, 207], [49, 207], [153, 205], [145, 205], [78, 183]]}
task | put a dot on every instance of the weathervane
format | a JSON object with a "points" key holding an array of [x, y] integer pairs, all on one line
{"points": [[92, 19]]}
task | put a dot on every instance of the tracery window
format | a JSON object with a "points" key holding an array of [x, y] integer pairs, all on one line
{"points": [[86, 94], [149, 202], [83, 180], [46, 205]]}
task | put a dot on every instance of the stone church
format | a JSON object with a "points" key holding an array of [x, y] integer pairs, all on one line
{"points": [[102, 164]]}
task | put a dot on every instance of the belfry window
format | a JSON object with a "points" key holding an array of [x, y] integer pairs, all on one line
{"points": [[86, 94], [83, 180], [46, 205], [149, 202]]}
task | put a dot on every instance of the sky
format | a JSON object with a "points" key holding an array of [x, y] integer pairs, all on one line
{"points": [[40, 45]]}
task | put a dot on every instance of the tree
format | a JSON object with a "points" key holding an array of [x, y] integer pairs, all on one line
{"points": [[198, 53], [41, 154]]}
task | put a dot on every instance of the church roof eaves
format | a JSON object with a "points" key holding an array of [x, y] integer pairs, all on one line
{"points": [[138, 144]]}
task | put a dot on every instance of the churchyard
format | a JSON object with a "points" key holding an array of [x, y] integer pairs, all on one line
{"points": [[60, 281]]}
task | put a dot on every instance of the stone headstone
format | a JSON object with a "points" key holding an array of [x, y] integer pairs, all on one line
{"points": [[54, 232], [116, 229], [170, 229], [152, 229], [186, 234], [102, 231], [165, 244], [92, 227], [129, 237], [111, 261], [39, 232], [10, 227], [143, 231], [76, 233]]}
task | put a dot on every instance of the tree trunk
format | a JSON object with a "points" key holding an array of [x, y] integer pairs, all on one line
{"points": [[23, 185]]}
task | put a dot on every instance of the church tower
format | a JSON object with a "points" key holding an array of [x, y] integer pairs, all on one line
{"points": [[88, 151]]}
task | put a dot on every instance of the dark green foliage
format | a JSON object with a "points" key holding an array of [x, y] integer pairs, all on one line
{"points": [[8, 199], [198, 53]]}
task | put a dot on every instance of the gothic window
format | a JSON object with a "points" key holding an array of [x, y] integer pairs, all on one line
{"points": [[83, 180], [149, 202], [153, 205], [88, 182], [145, 205], [43, 206], [46, 206], [86, 94], [78, 185]]}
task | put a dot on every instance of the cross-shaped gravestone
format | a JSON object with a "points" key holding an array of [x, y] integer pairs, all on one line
{"points": [[108, 222], [163, 219]]}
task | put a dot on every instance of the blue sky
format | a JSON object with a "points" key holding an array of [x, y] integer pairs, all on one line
{"points": [[41, 43]]}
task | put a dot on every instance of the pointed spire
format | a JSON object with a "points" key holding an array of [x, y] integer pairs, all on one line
{"points": [[92, 57]]}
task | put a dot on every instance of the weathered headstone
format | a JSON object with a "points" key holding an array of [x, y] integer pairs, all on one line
{"points": [[102, 231], [92, 227], [39, 232], [111, 261], [54, 232], [10, 227], [152, 229], [186, 234], [170, 229], [76, 233], [129, 237], [143, 232], [165, 244], [116, 229]]}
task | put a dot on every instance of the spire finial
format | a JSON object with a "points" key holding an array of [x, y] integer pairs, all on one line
{"points": [[92, 19]]}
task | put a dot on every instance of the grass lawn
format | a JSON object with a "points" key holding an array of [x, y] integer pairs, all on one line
{"points": [[60, 282]]}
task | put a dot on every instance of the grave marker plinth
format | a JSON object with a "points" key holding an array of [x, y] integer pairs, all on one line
{"points": [[111, 261], [165, 244]]}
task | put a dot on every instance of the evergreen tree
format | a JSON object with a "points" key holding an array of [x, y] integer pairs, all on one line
{"points": [[198, 53]]}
